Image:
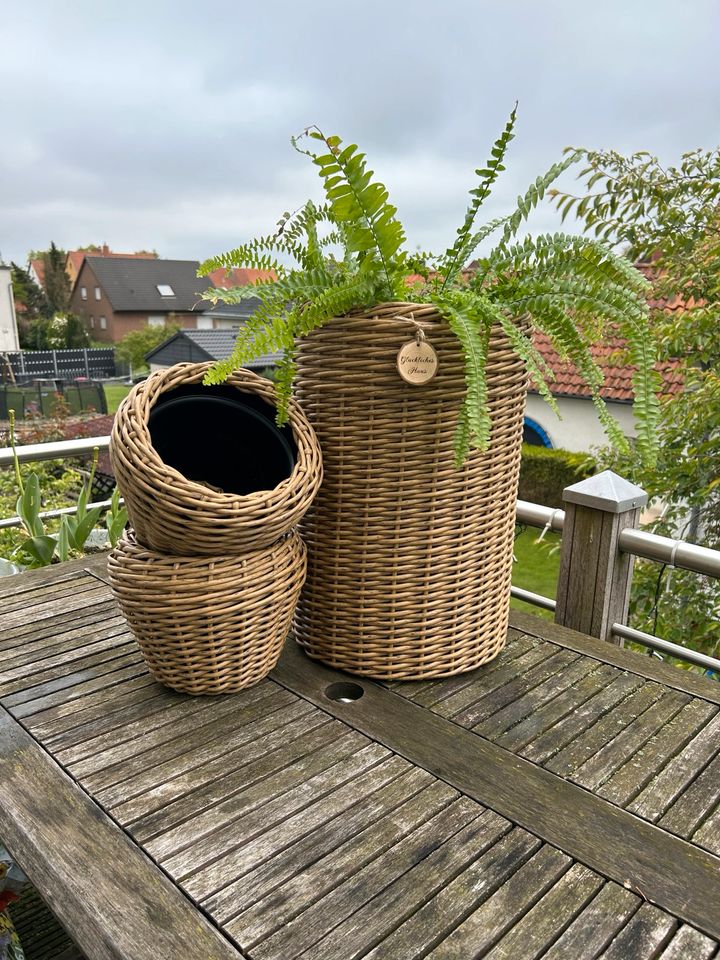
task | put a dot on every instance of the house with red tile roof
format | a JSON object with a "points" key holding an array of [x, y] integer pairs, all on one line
{"points": [[579, 429]]}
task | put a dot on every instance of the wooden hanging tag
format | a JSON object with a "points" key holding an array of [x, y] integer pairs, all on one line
{"points": [[417, 361]]}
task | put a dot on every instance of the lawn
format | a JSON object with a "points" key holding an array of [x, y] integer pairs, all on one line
{"points": [[114, 393], [536, 568]]}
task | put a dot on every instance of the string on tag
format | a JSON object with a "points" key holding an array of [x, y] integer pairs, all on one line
{"points": [[419, 332]]}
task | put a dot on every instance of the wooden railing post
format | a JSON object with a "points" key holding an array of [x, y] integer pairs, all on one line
{"points": [[594, 580]]}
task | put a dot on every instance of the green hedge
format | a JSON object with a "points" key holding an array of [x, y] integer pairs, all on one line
{"points": [[545, 473]]}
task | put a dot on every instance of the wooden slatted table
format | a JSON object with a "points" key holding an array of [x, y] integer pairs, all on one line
{"points": [[563, 801]]}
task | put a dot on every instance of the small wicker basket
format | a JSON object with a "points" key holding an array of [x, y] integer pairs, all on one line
{"points": [[208, 624], [175, 515]]}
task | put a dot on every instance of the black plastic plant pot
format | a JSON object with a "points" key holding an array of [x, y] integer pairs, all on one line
{"points": [[222, 437]]}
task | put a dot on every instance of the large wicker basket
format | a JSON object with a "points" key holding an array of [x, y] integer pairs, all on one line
{"points": [[409, 558], [208, 624], [172, 514]]}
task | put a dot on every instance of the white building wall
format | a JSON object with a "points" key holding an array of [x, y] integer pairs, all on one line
{"points": [[226, 323], [579, 429], [9, 341]]}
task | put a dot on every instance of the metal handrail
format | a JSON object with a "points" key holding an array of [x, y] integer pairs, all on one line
{"points": [[674, 553], [639, 543], [630, 633], [536, 599], [55, 450], [649, 546], [535, 515], [666, 646], [51, 514]]}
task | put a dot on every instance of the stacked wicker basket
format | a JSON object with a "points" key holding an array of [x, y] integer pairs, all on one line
{"points": [[207, 580]]}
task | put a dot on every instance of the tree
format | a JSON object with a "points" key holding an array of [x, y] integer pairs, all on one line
{"points": [[668, 219], [57, 282], [76, 334], [33, 316], [134, 345], [65, 331]]}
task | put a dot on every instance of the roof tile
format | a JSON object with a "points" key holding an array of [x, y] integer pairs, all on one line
{"points": [[618, 375]]}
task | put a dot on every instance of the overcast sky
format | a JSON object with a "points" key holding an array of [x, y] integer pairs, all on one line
{"points": [[166, 124]]}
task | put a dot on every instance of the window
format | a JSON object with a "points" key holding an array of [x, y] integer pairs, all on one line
{"points": [[92, 321], [98, 293], [83, 293], [103, 323], [165, 290], [156, 321], [204, 323], [535, 435]]}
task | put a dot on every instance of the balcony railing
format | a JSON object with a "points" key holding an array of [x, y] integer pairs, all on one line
{"points": [[630, 541]]}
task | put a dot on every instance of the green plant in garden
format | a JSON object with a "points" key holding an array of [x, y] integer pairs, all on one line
{"points": [[668, 217], [116, 518], [134, 345], [39, 547], [350, 252], [59, 486], [544, 473]]}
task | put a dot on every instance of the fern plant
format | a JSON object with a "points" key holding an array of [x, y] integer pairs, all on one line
{"points": [[570, 288]]}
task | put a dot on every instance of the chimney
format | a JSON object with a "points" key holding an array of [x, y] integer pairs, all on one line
{"points": [[105, 250]]}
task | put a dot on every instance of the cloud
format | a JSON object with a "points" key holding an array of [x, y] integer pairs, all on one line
{"points": [[166, 124]]}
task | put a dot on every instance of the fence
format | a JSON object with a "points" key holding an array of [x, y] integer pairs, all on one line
{"points": [[32, 364], [40, 399]]}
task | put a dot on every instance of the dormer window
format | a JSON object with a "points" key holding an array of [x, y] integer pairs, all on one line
{"points": [[165, 290]]}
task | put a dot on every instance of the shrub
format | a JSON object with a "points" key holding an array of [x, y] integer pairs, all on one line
{"points": [[545, 473], [134, 345]]}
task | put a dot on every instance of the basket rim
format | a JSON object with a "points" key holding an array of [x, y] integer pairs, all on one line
{"points": [[295, 416], [129, 546]]}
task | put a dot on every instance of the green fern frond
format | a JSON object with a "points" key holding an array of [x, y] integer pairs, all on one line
{"points": [[571, 288], [527, 202], [642, 350], [551, 318], [336, 301], [359, 203], [470, 321], [457, 255], [475, 241], [536, 366], [284, 376], [259, 254], [250, 291]]}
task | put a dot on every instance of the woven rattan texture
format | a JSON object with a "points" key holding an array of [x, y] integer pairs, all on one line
{"points": [[209, 624], [409, 558], [174, 515]]}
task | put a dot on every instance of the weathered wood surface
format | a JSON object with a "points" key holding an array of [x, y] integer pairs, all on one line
{"points": [[531, 808], [100, 885]]}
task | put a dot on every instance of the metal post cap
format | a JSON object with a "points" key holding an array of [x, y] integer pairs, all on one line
{"points": [[606, 491]]}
